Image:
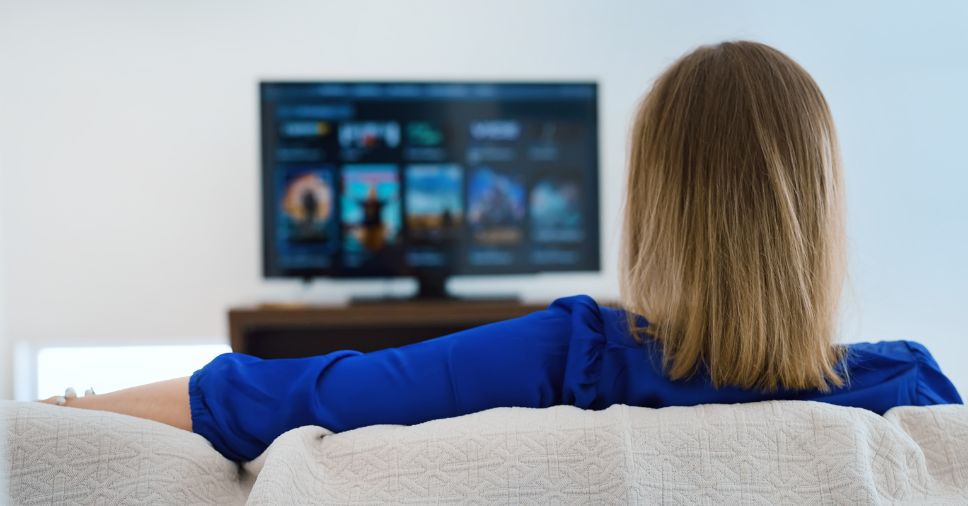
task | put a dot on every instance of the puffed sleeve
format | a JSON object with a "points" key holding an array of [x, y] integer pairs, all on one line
{"points": [[933, 386], [241, 403]]}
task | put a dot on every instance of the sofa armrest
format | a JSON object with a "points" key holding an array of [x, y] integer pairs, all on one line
{"points": [[58, 455]]}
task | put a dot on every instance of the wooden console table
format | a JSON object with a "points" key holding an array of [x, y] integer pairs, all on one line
{"points": [[277, 331]]}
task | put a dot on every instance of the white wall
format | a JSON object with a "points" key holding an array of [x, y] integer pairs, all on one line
{"points": [[6, 376], [128, 131]]}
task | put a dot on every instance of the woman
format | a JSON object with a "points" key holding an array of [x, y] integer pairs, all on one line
{"points": [[733, 255]]}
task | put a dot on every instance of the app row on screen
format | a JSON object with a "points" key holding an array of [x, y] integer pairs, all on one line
{"points": [[373, 134], [440, 206], [488, 140]]}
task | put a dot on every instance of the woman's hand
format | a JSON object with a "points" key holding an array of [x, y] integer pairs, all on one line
{"points": [[165, 402]]}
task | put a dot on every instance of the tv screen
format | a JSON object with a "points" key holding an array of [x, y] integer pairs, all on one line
{"points": [[376, 179]]}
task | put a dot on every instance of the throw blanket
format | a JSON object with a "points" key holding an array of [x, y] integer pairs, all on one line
{"points": [[781, 452]]}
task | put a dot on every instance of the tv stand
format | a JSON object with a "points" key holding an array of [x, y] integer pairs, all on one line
{"points": [[432, 287], [288, 331]]}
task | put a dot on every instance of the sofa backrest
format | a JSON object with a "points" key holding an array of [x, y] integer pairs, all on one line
{"points": [[763, 453]]}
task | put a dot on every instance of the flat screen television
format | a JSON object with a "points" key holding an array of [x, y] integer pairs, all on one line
{"points": [[429, 179]]}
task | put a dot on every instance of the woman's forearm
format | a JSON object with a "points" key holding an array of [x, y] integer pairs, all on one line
{"points": [[165, 402]]}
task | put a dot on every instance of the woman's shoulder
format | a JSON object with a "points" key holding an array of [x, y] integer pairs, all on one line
{"points": [[607, 319], [576, 300], [899, 351], [931, 385], [882, 355]]}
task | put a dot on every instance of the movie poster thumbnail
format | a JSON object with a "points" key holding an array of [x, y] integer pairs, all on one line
{"points": [[496, 207], [370, 211], [434, 202], [306, 221], [556, 211]]}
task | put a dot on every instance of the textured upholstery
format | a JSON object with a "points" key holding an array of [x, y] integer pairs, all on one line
{"points": [[56, 455], [764, 453]]}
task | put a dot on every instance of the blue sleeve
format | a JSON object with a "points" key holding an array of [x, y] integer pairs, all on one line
{"points": [[933, 386], [241, 403]]}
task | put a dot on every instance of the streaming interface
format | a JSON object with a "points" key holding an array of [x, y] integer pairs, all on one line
{"points": [[381, 179]]}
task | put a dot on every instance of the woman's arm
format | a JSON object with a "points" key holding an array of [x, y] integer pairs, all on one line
{"points": [[241, 403], [165, 402]]}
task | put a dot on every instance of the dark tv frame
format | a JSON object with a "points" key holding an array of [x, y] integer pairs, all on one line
{"points": [[431, 281]]}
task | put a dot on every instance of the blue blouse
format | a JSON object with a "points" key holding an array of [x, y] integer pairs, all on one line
{"points": [[574, 352]]}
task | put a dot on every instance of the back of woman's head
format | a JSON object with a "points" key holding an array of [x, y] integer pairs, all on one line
{"points": [[733, 234]]}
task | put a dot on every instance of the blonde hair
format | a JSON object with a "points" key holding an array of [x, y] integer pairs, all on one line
{"points": [[733, 243]]}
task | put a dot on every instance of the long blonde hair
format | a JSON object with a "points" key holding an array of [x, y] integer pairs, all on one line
{"points": [[733, 236]]}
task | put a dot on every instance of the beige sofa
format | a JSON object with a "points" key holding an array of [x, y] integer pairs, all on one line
{"points": [[764, 453]]}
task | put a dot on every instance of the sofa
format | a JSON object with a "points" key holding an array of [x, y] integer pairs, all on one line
{"points": [[780, 452]]}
